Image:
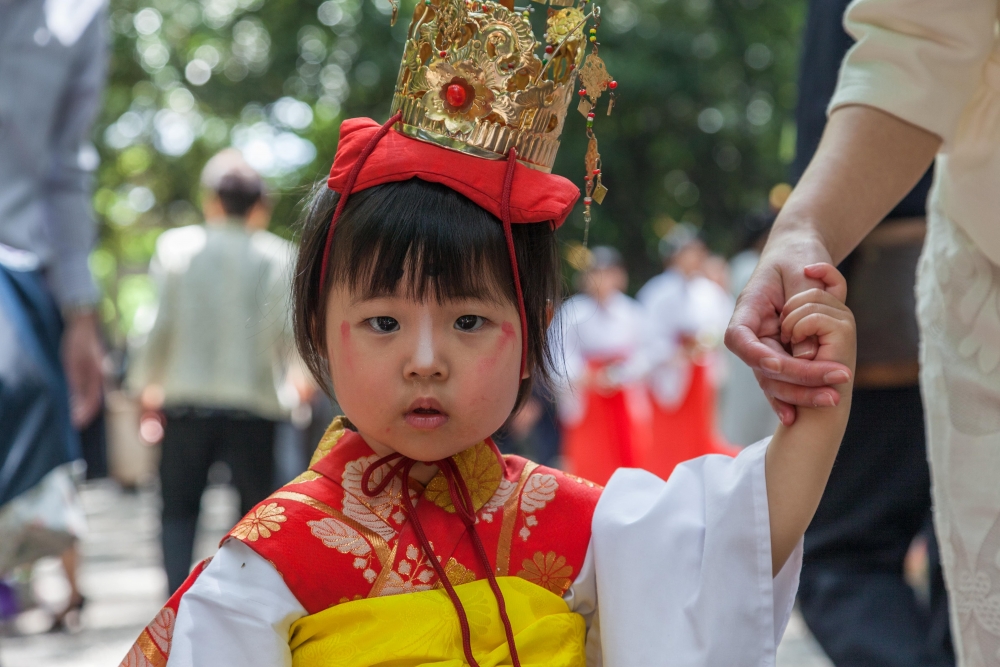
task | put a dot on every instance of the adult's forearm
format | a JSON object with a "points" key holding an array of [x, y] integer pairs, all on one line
{"points": [[865, 164]]}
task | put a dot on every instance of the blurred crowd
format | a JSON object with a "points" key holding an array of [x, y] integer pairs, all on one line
{"points": [[645, 381]]}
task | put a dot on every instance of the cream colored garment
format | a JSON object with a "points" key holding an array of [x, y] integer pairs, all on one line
{"points": [[936, 64], [222, 334], [958, 296]]}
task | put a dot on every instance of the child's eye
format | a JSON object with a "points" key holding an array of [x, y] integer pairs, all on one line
{"points": [[383, 324], [469, 322]]}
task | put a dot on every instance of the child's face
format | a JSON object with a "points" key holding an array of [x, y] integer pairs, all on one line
{"points": [[424, 379]]}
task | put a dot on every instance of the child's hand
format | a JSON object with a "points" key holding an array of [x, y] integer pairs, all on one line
{"points": [[800, 456], [822, 313]]}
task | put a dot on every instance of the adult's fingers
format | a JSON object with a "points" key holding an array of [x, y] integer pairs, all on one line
{"points": [[745, 344], [786, 413], [766, 356], [793, 394]]}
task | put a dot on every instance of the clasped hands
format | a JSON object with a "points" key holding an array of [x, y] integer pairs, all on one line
{"points": [[787, 369]]}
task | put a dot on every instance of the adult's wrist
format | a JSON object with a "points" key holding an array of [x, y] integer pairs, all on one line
{"points": [[798, 238]]}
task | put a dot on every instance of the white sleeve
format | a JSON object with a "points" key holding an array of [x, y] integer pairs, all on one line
{"points": [[919, 60], [682, 569], [238, 612]]}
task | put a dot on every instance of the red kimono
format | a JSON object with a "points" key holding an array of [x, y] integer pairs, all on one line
{"points": [[332, 544]]}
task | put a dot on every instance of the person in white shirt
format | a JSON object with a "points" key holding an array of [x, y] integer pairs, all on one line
{"points": [[217, 351], [923, 80], [602, 403]]}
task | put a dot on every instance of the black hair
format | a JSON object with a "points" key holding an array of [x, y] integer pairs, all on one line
{"points": [[430, 242], [238, 192]]}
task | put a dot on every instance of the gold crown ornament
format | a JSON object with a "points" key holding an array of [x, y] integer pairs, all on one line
{"points": [[475, 79]]}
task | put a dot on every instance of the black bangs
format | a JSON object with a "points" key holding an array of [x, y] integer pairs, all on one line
{"points": [[420, 240], [423, 241]]}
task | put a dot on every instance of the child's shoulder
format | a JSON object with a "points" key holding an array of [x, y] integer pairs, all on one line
{"points": [[538, 480]]}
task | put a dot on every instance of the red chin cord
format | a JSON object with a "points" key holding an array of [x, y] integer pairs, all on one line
{"points": [[508, 187], [348, 187], [465, 509]]}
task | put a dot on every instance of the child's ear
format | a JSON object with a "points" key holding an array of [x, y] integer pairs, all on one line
{"points": [[550, 312]]}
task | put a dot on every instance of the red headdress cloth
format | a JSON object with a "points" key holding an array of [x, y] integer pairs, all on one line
{"points": [[370, 154]]}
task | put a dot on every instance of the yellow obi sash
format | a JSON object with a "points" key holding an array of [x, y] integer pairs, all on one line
{"points": [[414, 629]]}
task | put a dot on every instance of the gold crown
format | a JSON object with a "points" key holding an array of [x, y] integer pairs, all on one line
{"points": [[474, 78]]}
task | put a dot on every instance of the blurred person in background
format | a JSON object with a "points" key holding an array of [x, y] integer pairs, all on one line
{"points": [[54, 64], [853, 593], [688, 312], [744, 414], [218, 350], [602, 403]]}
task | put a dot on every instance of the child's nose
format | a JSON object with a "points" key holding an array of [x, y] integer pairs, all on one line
{"points": [[426, 362]]}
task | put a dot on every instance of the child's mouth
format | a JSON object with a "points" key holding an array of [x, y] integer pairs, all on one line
{"points": [[425, 414]]}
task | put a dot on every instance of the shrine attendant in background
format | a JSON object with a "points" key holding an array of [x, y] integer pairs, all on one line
{"points": [[685, 330], [603, 407]]}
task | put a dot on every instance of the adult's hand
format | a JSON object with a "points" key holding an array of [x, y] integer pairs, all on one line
{"points": [[82, 354], [867, 160], [789, 377]]}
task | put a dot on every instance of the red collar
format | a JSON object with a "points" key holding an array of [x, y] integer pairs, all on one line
{"points": [[343, 455]]}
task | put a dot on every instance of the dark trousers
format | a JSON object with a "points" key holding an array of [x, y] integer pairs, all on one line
{"points": [[193, 440], [852, 593]]}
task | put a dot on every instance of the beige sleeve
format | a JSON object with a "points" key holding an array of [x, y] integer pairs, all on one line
{"points": [[919, 60]]}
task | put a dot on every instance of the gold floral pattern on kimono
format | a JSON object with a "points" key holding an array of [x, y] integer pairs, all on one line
{"points": [[457, 573], [481, 472], [262, 522], [549, 571]]}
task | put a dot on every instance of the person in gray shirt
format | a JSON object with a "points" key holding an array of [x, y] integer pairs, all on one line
{"points": [[53, 60]]}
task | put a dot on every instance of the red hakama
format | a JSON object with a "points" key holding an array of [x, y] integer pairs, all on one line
{"points": [[686, 431], [614, 428]]}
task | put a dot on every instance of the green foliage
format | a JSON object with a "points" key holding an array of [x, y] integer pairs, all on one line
{"points": [[702, 126], [698, 133]]}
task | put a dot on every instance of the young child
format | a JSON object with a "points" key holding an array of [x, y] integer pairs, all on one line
{"points": [[422, 297]]}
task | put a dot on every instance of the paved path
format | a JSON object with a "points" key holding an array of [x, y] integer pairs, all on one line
{"points": [[125, 585]]}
